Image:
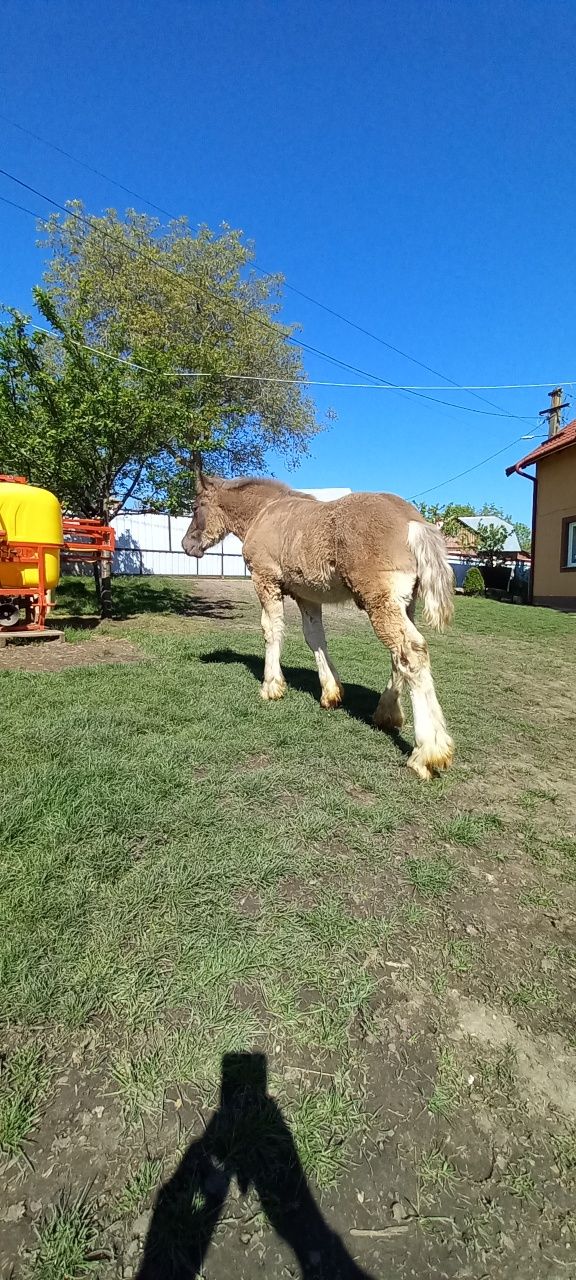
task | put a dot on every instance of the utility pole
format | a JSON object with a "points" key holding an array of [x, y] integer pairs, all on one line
{"points": [[553, 413]]}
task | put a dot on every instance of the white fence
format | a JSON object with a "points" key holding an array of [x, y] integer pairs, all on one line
{"points": [[152, 544]]}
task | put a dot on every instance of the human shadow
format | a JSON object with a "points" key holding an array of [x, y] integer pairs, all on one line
{"points": [[359, 701], [247, 1139]]}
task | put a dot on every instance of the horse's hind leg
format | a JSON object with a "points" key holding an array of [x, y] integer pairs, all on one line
{"points": [[315, 637], [389, 713], [270, 597], [388, 613]]}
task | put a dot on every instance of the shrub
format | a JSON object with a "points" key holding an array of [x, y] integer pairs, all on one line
{"points": [[474, 583]]}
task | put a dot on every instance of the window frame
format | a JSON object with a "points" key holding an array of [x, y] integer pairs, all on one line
{"points": [[568, 524]]}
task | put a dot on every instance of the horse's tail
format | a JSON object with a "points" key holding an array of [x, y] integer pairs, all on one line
{"points": [[435, 577]]}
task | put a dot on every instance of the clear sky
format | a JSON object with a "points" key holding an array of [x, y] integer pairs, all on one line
{"points": [[408, 164]]}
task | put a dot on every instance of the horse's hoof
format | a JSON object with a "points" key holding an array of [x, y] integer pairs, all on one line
{"points": [[388, 720], [428, 761], [332, 698], [273, 690]]}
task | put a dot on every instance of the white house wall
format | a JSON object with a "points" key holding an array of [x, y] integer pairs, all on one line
{"points": [[150, 544]]}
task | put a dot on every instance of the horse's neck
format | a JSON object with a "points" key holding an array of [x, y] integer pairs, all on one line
{"points": [[241, 505]]}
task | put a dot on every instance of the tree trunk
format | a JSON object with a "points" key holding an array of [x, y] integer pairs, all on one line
{"points": [[106, 585]]}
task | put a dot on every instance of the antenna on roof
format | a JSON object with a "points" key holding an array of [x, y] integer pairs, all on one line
{"points": [[553, 414]]}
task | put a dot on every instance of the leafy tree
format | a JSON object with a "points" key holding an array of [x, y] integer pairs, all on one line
{"points": [[192, 302], [447, 516], [490, 541], [186, 310], [524, 535]]}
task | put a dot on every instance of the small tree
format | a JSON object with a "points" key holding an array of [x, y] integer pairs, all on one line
{"points": [[490, 542], [473, 582]]}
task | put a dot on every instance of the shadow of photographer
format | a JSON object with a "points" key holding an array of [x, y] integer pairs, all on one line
{"points": [[247, 1139]]}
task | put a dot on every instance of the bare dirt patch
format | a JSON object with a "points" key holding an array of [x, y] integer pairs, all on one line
{"points": [[546, 1067], [55, 656]]}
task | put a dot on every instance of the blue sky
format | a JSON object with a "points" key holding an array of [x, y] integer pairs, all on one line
{"points": [[408, 164]]}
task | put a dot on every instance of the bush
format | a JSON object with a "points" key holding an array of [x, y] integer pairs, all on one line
{"points": [[474, 583]]}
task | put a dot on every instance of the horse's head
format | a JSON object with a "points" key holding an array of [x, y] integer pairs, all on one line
{"points": [[208, 524]]}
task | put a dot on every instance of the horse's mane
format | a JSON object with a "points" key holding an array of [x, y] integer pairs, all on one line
{"points": [[262, 482]]}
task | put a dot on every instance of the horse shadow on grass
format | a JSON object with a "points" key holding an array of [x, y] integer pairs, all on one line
{"points": [[359, 701], [247, 1139]]}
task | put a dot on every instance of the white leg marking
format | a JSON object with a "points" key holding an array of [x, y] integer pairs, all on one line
{"points": [[273, 628], [315, 637], [434, 748]]}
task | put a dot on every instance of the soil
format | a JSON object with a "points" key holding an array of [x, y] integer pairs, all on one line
{"points": [[55, 655], [505, 1210]]}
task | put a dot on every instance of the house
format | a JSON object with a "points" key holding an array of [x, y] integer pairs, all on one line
{"points": [[553, 579], [462, 554], [473, 524]]}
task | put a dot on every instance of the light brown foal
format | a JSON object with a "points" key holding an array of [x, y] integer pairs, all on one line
{"points": [[373, 547]]}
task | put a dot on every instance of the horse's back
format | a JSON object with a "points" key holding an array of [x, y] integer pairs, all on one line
{"points": [[372, 533]]}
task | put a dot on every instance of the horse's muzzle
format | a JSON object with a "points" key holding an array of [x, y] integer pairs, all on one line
{"points": [[193, 547]]}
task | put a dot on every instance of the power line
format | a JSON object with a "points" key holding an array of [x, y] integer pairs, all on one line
{"points": [[460, 474], [260, 377], [85, 220], [305, 346], [291, 288], [132, 364]]}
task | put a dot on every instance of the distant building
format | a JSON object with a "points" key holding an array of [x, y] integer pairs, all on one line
{"points": [[462, 554], [553, 518]]}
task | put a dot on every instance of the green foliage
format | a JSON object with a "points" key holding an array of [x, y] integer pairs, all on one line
{"points": [[473, 582], [489, 541], [65, 1241], [524, 535], [448, 516], [175, 303], [24, 1081]]}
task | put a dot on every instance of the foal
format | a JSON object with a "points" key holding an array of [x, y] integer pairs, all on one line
{"points": [[372, 547]]}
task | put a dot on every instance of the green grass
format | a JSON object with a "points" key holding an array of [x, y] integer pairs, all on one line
{"points": [[24, 1082], [139, 1188], [448, 1086], [65, 1240], [472, 829], [188, 872], [530, 995], [436, 1173], [564, 1147], [541, 898], [520, 1183], [322, 1124], [432, 877]]}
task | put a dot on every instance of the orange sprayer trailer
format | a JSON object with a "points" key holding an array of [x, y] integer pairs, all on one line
{"points": [[34, 540]]}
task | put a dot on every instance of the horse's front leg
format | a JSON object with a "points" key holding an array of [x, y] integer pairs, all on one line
{"points": [[270, 597]]}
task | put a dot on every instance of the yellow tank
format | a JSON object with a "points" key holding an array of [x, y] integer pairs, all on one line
{"points": [[29, 514]]}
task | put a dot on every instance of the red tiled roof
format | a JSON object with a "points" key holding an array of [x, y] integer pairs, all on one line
{"points": [[563, 440]]}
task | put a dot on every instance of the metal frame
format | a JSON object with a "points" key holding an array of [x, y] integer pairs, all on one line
{"points": [[87, 540]]}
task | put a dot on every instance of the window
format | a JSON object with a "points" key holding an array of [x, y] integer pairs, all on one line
{"points": [[568, 560], [571, 557]]}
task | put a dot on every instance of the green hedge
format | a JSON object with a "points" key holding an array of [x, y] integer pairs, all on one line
{"points": [[474, 583]]}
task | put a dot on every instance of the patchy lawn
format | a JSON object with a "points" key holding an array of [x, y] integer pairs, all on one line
{"points": [[204, 895]]}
